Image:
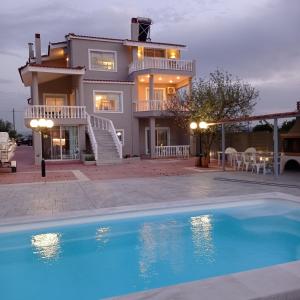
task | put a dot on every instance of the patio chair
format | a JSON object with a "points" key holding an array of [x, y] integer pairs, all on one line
{"points": [[247, 161], [231, 153], [238, 161], [258, 164]]}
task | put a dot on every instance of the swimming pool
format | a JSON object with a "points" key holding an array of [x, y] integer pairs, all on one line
{"points": [[116, 257]]}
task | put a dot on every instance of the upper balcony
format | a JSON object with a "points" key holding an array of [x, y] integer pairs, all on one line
{"points": [[151, 63]]}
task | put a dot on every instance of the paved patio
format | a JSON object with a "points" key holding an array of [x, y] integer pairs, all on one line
{"points": [[77, 187]]}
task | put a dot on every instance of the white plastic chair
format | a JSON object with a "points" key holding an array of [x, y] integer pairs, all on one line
{"points": [[231, 153]]}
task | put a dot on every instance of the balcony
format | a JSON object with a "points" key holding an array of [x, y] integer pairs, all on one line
{"points": [[55, 112], [150, 105], [162, 64]]}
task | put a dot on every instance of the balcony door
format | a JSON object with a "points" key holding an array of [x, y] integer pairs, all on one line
{"points": [[162, 137], [159, 94], [55, 99]]}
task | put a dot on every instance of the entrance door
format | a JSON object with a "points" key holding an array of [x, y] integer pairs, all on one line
{"points": [[162, 137]]}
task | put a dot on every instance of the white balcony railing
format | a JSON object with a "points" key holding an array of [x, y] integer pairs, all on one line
{"points": [[147, 105], [179, 151], [161, 63], [55, 112]]}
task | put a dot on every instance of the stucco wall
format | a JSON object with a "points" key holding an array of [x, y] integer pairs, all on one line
{"points": [[178, 135], [80, 57], [63, 85], [122, 120]]}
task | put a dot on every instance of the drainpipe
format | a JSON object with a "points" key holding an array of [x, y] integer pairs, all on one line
{"points": [[38, 51]]}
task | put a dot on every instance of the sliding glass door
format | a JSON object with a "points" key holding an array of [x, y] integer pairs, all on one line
{"points": [[162, 137], [61, 143]]}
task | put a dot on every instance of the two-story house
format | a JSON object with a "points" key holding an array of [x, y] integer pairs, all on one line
{"points": [[107, 94]]}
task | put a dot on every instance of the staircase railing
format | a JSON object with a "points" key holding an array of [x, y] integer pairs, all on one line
{"points": [[92, 137], [106, 124]]}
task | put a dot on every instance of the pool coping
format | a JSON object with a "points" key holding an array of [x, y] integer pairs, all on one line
{"points": [[29, 222], [280, 281]]}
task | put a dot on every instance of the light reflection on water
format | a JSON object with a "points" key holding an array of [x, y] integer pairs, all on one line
{"points": [[47, 245], [102, 236], [160, 243], [201, 227]]}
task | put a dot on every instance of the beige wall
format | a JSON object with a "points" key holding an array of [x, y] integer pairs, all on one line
{"points": [[178, 135], [142, 89], [80, 57]]}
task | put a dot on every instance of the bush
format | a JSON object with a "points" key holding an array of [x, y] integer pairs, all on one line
{"points": [[89, 157]]}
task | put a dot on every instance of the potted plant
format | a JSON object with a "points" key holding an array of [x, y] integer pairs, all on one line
{"points": [[89, 160]]}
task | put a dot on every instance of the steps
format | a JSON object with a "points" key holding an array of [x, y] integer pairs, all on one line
{"points": [[107, 149]]}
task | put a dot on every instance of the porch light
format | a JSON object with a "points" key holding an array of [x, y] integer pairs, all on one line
{"points": [[34, 123], [203, 125], [42, 123], [171, 81], [193, 125], [159, 78], [178, 77]]}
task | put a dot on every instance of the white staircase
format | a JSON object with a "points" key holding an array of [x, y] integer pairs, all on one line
{"points": [[105, 143]]}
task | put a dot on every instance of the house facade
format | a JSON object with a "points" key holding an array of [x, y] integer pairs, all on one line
{"points": [[107, 95]]}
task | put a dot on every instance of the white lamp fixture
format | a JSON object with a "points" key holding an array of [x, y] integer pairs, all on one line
{"points": [[193, 125], [203, 125], [34, 123]]}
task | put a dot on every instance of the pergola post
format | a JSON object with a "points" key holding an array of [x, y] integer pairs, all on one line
{"points": [[223, 146], [275, 140]]}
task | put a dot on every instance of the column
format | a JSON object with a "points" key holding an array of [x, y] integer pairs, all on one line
{"points": [[275, 139], [35, 89], [190, 85], [151, 91], [152, 136], [223, 146], [80, 91], [81, 138], [36, 136]]}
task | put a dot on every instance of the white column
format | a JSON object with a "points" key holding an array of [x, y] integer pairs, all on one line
{"points": [[223, 147], [35, 89], [151, 90], [275, 139], [37, 139], [80, 91], [152, 136]]}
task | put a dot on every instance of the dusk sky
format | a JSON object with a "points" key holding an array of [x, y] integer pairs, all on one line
{"points": [[256, 40]]}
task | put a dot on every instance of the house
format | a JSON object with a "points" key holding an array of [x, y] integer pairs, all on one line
{"points": [[107, 94]]}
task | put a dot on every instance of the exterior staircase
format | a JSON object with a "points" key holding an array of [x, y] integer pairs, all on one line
{"points": [[105, 143]]}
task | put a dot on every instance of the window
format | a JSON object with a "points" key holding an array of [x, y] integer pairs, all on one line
{"points": [[120, 134], [108, 101], [103, 60], [55, 100], [151, 52]]}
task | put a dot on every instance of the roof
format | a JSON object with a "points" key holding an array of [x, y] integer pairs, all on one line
{"points": [[124, 41]]}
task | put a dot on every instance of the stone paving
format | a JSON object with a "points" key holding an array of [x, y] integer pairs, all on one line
{"points": [[142, 182]]}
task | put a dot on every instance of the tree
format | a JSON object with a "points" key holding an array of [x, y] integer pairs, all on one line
{"points": [[6, 126], [287, 125], [219, 97], [263, 127]]}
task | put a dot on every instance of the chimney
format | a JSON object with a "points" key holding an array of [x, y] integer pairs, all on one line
{"points": [[30, 51], [38, 51], [140, 29]]}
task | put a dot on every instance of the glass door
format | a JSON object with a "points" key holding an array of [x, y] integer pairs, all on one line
{"points": [[162, 137], [61, 142]]}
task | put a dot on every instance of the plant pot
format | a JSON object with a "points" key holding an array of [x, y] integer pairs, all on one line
{"points": [[198, 161], [89, 162], [204, 161]]}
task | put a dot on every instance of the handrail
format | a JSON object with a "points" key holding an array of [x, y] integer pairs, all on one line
{"points": [[55, 112], [92, 136], [106, 124], [148, 105], [161, 63], [172, 151]]}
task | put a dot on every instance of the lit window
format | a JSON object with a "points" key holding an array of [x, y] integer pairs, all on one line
{"points": [[120, 135], [103, 60], [108, 101]]}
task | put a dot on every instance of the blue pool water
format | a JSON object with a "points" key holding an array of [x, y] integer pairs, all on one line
{"points": [[104, 259]]}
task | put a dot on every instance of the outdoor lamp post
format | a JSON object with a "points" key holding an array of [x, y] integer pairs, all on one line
{"points": [[40, 125], [200, 125]]}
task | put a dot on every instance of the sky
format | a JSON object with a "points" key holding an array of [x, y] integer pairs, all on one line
{"points": [[256, 40]]}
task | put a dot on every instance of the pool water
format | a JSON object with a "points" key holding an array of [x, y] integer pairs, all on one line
{"points": [[110, 258]]}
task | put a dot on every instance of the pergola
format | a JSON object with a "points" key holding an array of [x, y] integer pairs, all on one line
{"points": [[273, 117]]}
